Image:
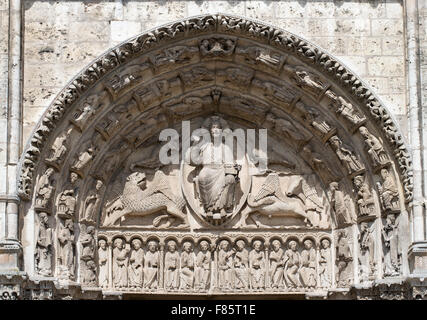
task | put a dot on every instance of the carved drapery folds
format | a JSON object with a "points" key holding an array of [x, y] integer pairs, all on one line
{"points": [[235, 264], [334, 160]]}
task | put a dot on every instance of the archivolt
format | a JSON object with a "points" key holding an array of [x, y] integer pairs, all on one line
{"points": [[182, 69]]}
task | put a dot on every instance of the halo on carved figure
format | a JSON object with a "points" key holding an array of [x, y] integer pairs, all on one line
{"points": [[191, 183], [163, 76], [202, 25]]}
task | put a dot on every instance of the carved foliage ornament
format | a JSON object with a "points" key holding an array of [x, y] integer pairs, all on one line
{"points": [[202, 25]]}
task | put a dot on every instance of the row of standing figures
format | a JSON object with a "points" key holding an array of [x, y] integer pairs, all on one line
{"points": [[235, 268]]}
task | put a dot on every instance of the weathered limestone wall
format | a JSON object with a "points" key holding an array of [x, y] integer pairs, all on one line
{"points": [[61, 37], [4, 30]]}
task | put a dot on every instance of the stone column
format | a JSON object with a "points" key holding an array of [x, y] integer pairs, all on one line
{"points": [[10, 247], [418, 249]]}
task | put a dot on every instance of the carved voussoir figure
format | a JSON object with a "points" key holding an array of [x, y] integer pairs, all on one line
{"points": [[58, 150], [67, 200], [92, 202], [45, 190], [316, 161], [290, 129], [43, 255], [341, 206], [66, 255], [88, 110], [140, 200], [84, 159], [375, 147], [307, 80], [346, 156], [346, 109], [120, 264], [323, 129], [389, 195], [259, 55], [365, 199]]}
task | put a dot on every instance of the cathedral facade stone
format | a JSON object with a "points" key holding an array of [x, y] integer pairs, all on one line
{"points": [[199, 153]]}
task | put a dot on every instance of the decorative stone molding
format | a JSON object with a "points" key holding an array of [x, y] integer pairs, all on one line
{"points": [[224, 25]]}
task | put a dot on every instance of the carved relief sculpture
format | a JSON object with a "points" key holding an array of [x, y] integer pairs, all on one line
{"points": [[308, 265], [365, 200], [67, 199], [103, 264], [138, 199], [346, 156], [225, 263], [259, 55], [136, 261], [292, 262], [315, 161], [389, 195], [340, 205], [392, 255], [66, 254], [92, 202], [270, 201], [276, 265], [187, 266], [304, 188], [307, 80], [367, 264], [45, 191], [257, 266], [217, 174], [317, 122], [290, 129], [375, 147], [151, 266], [88, 110], [120, 264], [241, 266], [325, 266], [203, 263], [217, 47], [84, 159], [87, 257], [346, 109], [58, 150], [171, 266], [344, 260], [43, 255]]}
